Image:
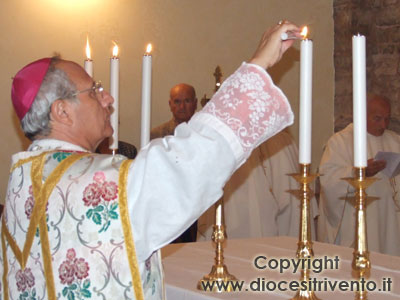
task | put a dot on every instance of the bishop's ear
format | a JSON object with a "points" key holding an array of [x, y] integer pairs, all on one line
{"points": [[60, 112]]}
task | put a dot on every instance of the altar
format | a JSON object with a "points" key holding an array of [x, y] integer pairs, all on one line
{"points": [[185, 264]]}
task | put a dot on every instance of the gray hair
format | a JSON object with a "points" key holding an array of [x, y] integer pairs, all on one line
{"points": [[56, 85]]}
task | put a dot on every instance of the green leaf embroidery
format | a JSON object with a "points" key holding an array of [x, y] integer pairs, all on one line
{"points": [[105, 227], [113, 215], [71, 296], [59, 156], [86, 293], [99, 208], [89, 213], [73, 287], [65, 291], [86, 284], [97, 218], [114, 206]]}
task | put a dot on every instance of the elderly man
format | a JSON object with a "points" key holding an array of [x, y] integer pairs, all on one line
{"points": [[337, 212], [183, 103], [83, 225]]}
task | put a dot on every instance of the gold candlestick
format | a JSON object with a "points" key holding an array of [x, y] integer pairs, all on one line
{"points": [[361, 264], [219, 271], [304, 246]]}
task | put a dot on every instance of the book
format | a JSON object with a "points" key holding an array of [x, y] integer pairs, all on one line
{"points": [[392, 159]]}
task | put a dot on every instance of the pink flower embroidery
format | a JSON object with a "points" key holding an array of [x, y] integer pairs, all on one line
{"points": [[29, 204], [66, 272], [109, 191], [92, 194], [24, 279], [81, 268], [71, 254], [99, 177], [73, 267], [100, 195]]}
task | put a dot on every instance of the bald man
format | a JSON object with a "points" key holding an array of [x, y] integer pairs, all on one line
{"points": [[183, 103], [337, 212]]}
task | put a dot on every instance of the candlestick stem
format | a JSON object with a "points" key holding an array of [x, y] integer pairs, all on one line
{"points": [[361, 263], [219, 271], [304, 246]]}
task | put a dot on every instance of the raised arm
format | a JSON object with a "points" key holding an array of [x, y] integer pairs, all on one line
{"points": [[180, 176]]}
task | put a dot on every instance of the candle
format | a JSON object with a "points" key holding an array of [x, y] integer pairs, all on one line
{"points": [[359, 102], [114, 91], [146, 97], [305, 99], [218, 213], [88, 64]]}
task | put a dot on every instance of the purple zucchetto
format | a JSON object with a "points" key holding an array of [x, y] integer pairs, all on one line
{"points": [[26, 85]]}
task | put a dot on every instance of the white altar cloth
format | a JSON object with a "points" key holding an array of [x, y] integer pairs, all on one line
{"points": [[185, 264]]}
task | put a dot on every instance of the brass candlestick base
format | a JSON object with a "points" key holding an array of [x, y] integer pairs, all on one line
{"points": [[304, 246], [361, 264], [219, 272]]}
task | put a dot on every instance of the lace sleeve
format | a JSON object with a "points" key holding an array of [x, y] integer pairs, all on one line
{"points": [[249, 109]]}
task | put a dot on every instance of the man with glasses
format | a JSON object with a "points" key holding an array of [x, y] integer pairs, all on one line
{"points": [[82, 225], [183, 103]]}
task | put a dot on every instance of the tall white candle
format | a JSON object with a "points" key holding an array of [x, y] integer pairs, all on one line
{"points": [[146, 97], [88, 63], [305, 101], [114, 91], [359, 102]]}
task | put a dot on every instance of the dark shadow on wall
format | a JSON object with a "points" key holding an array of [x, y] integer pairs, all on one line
{"points": [[287, 63]]}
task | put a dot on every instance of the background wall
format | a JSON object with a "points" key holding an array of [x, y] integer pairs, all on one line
{"points": [[190, 39], [379, 22]]}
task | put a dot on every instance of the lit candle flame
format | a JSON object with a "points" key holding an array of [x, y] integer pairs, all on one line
{"points": [[88, 56], [304, 32], [149, 48], [115, 51]]}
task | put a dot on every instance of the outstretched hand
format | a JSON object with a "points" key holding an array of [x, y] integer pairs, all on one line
{"points": [[271, 47]]}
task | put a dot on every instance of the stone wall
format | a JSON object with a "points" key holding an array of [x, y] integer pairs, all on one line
{"points": [[379, 21]]}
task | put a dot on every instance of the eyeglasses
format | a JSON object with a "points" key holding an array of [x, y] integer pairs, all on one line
{"points": [[97, 89]]}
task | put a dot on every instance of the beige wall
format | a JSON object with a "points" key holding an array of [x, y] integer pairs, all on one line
{"points": [[190, 39]]}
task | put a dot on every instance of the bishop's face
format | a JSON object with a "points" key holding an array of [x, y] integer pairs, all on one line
{"points": [[91, 115]]}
